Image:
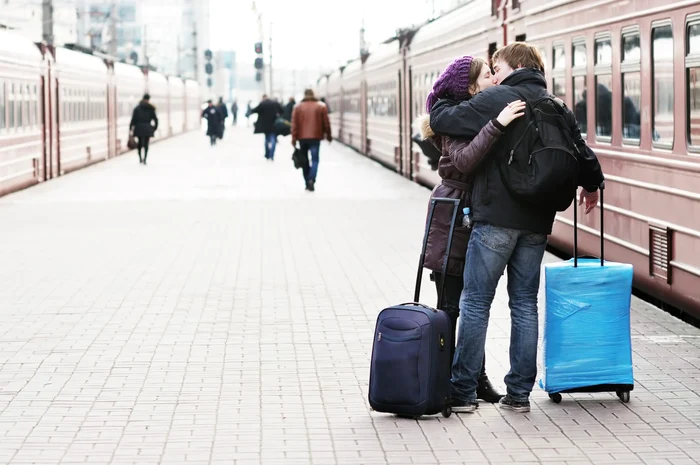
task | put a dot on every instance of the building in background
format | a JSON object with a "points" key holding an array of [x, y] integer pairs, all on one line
{"points": [[25, 17]]}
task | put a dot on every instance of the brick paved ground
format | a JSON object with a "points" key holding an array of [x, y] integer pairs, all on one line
{"points": [[206, 309]]}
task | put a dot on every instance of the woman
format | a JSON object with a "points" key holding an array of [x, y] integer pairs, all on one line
{"points": [[461, 80], [141, 127]]}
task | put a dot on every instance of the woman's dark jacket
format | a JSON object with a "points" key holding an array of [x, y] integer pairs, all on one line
{"points": [[141, 119], [458, 163]]}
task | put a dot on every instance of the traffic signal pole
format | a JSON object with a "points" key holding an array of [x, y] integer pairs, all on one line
{"points": [[270, 64]]}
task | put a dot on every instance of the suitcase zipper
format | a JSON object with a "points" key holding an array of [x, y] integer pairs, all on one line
{"points": [[397, 339]]}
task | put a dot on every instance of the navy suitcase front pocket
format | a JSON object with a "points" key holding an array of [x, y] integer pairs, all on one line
{"points": [[396, 363]]}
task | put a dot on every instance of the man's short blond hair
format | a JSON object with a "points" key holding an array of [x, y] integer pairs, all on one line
{"points": [[519, 55]]}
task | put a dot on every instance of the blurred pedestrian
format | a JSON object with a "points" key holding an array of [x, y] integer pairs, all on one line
{"points": [[310, 124], [289, 108], [213, 117], [234, 112], [268, 110], [141, 128], [223, 114]]}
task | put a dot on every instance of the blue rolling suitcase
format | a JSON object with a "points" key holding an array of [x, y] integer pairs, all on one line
{"points": [[410, 366], [587, 340]]}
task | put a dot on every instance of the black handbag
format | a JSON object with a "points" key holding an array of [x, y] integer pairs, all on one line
{"points": [[297, 158]]}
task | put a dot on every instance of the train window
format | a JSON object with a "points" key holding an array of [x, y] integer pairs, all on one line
{"points": [[603, 51], [579, 72], [631, 106], [603, 105], [559, 88], [558, 56], [3, 106], [21, 117], [603, 87], [558, 67], [694, 39], [11, 106], [580, 57], [37, 107], [630, 48], [692, 63], [631, 87], [580, 103], [662, 85]]}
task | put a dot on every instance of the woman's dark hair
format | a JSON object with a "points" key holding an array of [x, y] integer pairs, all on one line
{"points": [[146, 97]]}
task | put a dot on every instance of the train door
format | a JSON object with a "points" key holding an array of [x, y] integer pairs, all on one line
{"points": [[112, 117], [408, 169]]}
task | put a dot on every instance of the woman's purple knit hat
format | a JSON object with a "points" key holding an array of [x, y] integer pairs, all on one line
{"points": [[453, 82]]}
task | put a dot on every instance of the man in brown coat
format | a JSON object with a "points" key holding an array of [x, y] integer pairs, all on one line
{"points": [[310, 125]]}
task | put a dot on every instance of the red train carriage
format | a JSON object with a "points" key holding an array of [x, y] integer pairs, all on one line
{"points": [[83, 82], [382, 72], [354, 111], [130, 83], [630, 72], [22, 75]]}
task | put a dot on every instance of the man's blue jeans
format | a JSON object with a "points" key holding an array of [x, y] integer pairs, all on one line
{"points": [[313, 146], [270, 144], [490, 249]]}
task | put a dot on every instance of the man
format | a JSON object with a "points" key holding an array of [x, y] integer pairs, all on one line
{"points": [[506, 231], [223, 114], [310, 124], [289, 108], [267, 111], [234, 112], [213, 117]]}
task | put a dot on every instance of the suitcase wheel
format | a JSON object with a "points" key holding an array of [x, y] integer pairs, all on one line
{"points": [[556, 397], [624, 396], [447, 411]]}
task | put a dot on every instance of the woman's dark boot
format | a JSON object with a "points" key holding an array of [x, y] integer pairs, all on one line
{"points": [[485, 390]]}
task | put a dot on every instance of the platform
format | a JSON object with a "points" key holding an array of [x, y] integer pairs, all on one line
{"points": [[206, 309]]}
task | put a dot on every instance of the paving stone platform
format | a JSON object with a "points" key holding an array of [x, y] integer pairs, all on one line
{"points": [[206, 309]]}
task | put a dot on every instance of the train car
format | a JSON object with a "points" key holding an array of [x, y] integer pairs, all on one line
{"points": [[354, 106], [83, 82], [23, 72], [630, 71], [383, 131], [334, 98], [193, 102], [471, 30], [178, 105], [130, 83], [157, 87]]}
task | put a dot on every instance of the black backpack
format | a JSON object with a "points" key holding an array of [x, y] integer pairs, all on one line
{"points": [[541, 168]]}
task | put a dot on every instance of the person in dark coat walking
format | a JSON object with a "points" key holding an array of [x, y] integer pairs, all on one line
{"points": [[234, 112], [268, 111], [223, 114], [213, 117], [141, 127], [289, 109]]}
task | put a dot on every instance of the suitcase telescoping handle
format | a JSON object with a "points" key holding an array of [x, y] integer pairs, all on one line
{"points": [[441, 287], [602, 228]]}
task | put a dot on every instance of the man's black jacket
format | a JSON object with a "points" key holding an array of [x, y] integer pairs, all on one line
{"points": [[491, 200]]}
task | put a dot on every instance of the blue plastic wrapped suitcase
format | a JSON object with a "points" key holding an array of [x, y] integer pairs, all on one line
{"points": [[587, 340]]}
